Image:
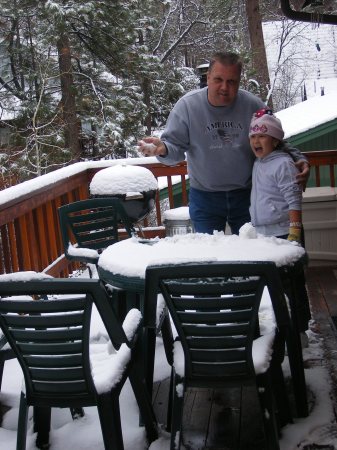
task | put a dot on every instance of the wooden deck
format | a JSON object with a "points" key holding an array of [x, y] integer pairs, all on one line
{"points": [[212, 419]]}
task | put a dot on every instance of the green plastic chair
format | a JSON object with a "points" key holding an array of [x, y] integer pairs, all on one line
{"points": [[90, 226], [214, 307], [50, 339]]}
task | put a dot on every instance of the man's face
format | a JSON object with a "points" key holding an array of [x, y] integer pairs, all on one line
{"points": [[223, 84]]}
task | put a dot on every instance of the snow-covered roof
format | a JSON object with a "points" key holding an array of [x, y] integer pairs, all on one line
{"points": [[308, 114]]}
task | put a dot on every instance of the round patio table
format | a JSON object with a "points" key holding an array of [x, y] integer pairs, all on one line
{"points": [[124, 264]]}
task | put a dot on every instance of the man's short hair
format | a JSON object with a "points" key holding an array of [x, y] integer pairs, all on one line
{"points": [[226, 59]]}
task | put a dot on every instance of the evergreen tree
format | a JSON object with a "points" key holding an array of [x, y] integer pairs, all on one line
{"points": [[87, 79]]}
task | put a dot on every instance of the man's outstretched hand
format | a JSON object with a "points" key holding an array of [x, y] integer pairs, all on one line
{"points": [[152, 146]]}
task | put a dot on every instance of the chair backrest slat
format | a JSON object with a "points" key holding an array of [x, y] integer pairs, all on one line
{"points": [[66, 361], [46, 336], [63, 348], [56, 321], [214, 317], [70, 374], [212, 341], [205, 302], [61, 388]]}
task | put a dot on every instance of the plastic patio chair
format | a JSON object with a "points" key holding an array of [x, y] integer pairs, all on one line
{"points": [[214, 307], [90, 226], [51, 341]]}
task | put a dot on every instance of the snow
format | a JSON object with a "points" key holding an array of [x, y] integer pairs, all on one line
{"points": [[47, 180], [108, 365], [85, 433], [23, 276], [181, 213], [123, 179], [308, 55], [82, 252], [309, 114], [196, 247]]}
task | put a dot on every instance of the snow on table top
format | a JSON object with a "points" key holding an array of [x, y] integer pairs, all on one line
{"points": [[131, 257]]}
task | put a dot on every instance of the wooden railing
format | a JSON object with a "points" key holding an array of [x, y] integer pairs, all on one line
{"points": [[323, 166], [29, 228], [30, 236]]}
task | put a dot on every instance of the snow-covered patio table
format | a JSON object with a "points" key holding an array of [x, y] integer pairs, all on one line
{"points": [[129, 258], [124, 265]]}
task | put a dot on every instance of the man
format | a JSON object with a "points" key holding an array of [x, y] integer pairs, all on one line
{"points": [[210, 126]]}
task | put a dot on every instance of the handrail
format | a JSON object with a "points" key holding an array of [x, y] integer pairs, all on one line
{"points": [[30, 237]]}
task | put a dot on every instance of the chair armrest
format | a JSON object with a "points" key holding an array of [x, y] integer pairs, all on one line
{"points": [[132, 323], [262, 352], [108, 365], [82, 252], [267, 321]]}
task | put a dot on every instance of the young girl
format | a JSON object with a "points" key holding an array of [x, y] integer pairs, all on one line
{"points": [[276, 198]]}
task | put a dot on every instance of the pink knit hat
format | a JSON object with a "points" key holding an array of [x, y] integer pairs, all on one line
{"points": [[264, 122]]}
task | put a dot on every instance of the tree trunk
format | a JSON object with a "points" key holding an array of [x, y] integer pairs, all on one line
{"points": [[68, 104], [258, 49], [146, 87]]}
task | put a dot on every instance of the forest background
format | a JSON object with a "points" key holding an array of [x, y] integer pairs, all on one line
{"points": [[87, 79]]}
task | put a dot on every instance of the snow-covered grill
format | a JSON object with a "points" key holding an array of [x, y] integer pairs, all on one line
{"points": [[135, 186]]}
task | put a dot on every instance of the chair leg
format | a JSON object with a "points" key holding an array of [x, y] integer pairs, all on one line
{"points": [[22, 423], [169, 405], [177, 412], [145, 405], [2, 363], [166, 331], [42, 416], [109, 416], [281, 396], [279, 388], [77, 413], [268, 410]]}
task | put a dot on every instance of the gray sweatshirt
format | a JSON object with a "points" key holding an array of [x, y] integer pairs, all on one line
{"points": [[214, 139], [274, 193]]}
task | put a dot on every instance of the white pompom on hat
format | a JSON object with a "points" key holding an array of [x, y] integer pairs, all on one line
{"points": [[264, 122]]}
